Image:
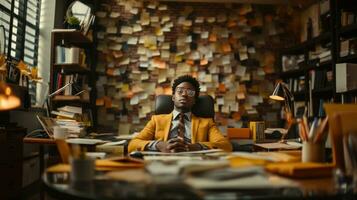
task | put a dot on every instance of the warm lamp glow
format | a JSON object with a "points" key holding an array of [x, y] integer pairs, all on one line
{"points": [[7, 99], [277, 98]]}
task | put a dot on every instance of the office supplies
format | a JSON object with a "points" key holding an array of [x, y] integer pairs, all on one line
{"points": [[47, 125], [301, 170], [60, 133], [313, 152]]}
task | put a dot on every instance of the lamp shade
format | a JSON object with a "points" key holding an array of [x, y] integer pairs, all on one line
{"points": [[278, 93], [8, 100]]}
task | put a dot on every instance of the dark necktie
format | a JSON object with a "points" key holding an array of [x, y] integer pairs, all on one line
{"points": [[181, 126]]}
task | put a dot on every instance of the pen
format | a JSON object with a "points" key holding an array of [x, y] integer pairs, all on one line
{"points": [[321, 130]]}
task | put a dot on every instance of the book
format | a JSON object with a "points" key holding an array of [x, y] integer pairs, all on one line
{"points": [[111, 149], [72, 109], [345, 77]]}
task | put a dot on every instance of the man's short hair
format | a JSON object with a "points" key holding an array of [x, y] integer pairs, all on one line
{"points": [[189, 79]]}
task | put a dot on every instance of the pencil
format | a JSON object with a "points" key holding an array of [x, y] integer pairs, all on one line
{"points": [[322, 130]]}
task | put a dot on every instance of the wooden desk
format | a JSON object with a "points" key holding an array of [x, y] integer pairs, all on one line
{"points": [[41, 142], [179, 187], [31, 140]]}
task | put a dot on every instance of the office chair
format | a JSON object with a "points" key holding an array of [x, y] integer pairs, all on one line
{"points": [[204, 106]]}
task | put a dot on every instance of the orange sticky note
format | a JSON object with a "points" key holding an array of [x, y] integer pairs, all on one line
{"points": [[99, 102], [190, 62], [231, 23], [212, 37], [204, 61], [222, 87], [226, 48]]}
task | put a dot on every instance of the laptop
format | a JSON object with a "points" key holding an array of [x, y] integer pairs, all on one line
{"points": [[47, 124]]}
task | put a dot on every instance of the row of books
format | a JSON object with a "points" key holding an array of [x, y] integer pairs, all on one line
{"points": [[348, 18], [70, 55], [292, 62], [296, 84], [348, 47], [321, 54], [79, 83], [73, 117], [346, 77], [320, 79]]}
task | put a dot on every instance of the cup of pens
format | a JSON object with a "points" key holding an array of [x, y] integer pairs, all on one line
{"points": [[313, 139]]}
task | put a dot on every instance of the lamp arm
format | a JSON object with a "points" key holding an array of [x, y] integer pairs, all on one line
{"points": [[60, 90], [288, 98]]}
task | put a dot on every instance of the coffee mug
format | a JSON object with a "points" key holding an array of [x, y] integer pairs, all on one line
{"points": [[60, 132]]}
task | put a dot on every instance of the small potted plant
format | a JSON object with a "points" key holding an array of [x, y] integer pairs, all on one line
{"points": [[73, 22]]}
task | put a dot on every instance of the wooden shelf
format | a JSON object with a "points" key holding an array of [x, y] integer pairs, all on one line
{"points": [[326, 64], [348, 30], [69, 98], [293, 73], [73, 67], [299, 95], [70, 37], [301, 47], [321, 38], [327, 91], [349, 58]]}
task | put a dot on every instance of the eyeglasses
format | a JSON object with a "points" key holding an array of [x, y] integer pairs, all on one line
{"points": [[189, 92]]}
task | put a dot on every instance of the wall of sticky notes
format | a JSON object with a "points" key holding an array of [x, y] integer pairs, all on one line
{"points": [[143, 45]]}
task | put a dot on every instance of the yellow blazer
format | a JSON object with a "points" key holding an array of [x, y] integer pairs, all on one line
{"points": [[203, 131]]}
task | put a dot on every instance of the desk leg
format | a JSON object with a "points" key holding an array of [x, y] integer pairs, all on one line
{"points": [[42, 165]]}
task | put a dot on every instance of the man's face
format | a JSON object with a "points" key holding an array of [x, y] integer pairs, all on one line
{"points": [[184, 97]]}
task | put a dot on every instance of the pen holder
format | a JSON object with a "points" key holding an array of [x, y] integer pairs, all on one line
{"points": [[82, 169], [313, 152]]}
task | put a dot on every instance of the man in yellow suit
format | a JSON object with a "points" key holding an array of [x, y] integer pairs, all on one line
{"points": [[180, 130]]}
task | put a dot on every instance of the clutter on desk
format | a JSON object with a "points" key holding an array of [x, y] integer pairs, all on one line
{"points": [[301, 170]]}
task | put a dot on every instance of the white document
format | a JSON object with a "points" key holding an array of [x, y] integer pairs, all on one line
{"points": [[84, 141]]}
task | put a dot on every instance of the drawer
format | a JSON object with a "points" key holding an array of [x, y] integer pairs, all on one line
{"points": [[30, 171]]}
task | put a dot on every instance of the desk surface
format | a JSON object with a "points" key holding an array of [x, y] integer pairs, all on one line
{"points": [[39, 140], [58, 185]]}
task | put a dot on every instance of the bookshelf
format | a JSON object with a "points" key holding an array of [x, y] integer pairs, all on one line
{"points": [[309, 72], [73, 59], [316, 59], [346, 49]]}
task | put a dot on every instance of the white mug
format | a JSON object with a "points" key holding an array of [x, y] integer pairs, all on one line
{"points": [[60, 132]]}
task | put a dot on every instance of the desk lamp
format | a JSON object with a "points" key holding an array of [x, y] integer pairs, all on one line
{"points": [[282, 93]]}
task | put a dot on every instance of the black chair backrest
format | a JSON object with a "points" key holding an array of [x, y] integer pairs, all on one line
{"points": [[204, 106]]}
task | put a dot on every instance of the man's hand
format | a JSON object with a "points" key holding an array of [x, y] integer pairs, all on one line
{"points": [[176, 145], [172, 145]]}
